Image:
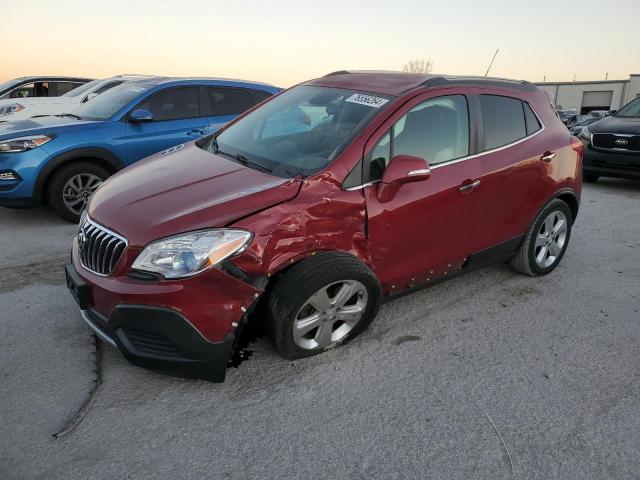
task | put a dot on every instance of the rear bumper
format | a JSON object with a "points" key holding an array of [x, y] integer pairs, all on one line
{"points": [[621, 165]]}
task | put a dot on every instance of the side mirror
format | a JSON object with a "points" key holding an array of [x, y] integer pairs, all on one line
{"points": [[402, 169], [611, 112], [140, 115]]}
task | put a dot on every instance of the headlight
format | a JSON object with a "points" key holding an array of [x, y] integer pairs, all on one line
{"points": [[9, 109], [22, 144], [191, 253], [585, 133]]}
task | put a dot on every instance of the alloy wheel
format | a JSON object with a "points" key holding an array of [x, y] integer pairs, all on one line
{"points": [[550, 239], [330, 314], [78, 189]]}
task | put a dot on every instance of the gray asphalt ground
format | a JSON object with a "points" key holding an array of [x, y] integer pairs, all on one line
{"points": [[489, 375]]}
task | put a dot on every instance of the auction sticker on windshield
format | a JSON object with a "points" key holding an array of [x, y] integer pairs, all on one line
{"points": [[368, 100]]}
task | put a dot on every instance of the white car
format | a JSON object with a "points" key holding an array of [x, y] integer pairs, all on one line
{"points": [[15, 109]]}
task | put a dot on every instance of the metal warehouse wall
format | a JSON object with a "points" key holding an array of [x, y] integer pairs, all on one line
{"points": [[571, 95]]}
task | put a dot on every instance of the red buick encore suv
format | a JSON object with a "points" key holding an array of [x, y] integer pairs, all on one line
{"points": [[316, 205]]}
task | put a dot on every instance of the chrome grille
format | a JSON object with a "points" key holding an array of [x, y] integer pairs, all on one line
{"points": [[99, 248]]}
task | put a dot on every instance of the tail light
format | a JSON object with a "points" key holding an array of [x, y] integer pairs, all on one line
{"points": [[577, 145]]}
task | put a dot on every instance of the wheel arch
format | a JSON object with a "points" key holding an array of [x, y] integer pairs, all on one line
{"points": [[570, 197], [101, 156]]}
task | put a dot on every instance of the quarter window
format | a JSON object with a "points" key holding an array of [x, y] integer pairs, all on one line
{"points": [[229, 101], [173, 104], [436, 130], [532, 122]]}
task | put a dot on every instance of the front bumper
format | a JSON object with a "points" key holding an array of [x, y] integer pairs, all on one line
{"points": [[611, 164], [187, 327], [27, 166]]}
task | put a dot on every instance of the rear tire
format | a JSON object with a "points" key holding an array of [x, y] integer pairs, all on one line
{"points": [[321, 302], [590, 178], [546, 241], [71, 187]]}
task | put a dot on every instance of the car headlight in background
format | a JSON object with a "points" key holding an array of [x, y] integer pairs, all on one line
{"points": [[191, 253], [22, 144], [9, 109], [585, 133]]}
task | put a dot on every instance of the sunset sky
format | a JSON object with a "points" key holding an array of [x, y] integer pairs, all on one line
{"points": [[285, 42]]}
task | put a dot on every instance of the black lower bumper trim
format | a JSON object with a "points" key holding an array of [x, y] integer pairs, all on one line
{"points": [[161, 339], [18, 203]]}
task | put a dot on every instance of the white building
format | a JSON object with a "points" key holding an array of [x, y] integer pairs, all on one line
{"points": [[596, 95]]}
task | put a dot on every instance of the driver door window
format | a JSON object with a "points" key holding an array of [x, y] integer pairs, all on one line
{"points": [[436, 130]]}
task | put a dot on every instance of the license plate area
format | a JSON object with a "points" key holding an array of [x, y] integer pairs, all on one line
{"points": [[77, 287]]}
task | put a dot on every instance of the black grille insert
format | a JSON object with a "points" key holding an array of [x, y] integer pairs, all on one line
{"points": [[98, 248], [611, 140]]}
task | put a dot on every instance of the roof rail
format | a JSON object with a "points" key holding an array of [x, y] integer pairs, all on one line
{"points": [[443, 80], [338, 72], [133, 75]]}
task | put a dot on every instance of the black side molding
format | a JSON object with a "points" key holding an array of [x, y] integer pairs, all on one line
{"points": [[498, 253]]}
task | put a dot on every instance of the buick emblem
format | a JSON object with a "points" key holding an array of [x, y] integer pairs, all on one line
{"points": [[621, 142]]}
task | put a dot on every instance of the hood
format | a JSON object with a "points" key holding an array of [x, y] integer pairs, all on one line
{"points": [[28, 102], [38, 106], [617, 125], [182, 189], [49, 124]]}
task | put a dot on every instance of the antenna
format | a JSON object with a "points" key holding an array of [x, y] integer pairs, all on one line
{"points": [[494, 57]]}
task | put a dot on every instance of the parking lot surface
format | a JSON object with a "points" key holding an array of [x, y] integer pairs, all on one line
{"points": [[489, 375]]}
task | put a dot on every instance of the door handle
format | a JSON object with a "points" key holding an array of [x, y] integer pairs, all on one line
{"points": [[548, 156], [196, 132], [467, 187]]}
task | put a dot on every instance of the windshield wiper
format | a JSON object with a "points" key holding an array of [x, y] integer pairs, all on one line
{"points": [[243, 160], [72, 115]]}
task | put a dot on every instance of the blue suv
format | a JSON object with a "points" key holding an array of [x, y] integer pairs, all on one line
{"points": [[60, 160]]}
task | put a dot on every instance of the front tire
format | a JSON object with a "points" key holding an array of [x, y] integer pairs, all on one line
{"points": [[71, 187], [321, 302], [546, 241]]}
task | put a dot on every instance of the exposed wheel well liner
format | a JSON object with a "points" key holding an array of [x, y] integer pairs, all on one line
{"points": [[570, 198], [101, 156]]}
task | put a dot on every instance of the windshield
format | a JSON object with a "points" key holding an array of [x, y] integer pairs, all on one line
{"points": [[83, 88], [104, 106], [298, 132], [631, 110], [10, 83]]}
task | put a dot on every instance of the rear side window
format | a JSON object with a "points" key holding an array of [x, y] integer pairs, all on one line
{"points": [[173, 104], [57, 89], [229, 101], [503, 120]]}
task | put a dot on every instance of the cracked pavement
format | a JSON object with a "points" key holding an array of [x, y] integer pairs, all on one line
{"points": [[478, 375]]}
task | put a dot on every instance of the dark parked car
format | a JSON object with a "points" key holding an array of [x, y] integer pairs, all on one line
{"points": [[612, 145], [586, 120], [25, 87], [374, 184]]}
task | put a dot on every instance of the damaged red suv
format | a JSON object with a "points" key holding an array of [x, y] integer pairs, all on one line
{"points": [[316, 206]]}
